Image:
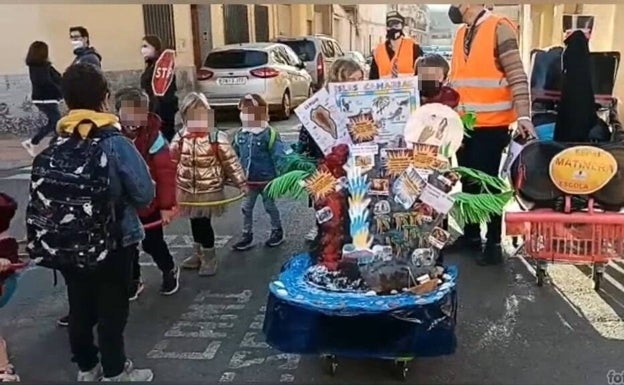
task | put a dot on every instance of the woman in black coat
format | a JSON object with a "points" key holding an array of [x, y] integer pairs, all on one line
{"points": [[165, 106], [46, 92]]}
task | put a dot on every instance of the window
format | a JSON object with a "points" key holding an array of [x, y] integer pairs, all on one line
{"points": [[337, 48], [328, 49], [236, 59], [292, 56], [303, 48], [261, 22], [235, 24], [158, 20], [278, 57], [309, 27]]}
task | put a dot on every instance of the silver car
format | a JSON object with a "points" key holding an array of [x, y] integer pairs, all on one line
{"points": [[271, 70]]}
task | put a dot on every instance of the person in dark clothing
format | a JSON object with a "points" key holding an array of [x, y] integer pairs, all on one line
{"points": [[79, 37], [46, 92], [165, 106], [394, 41]]}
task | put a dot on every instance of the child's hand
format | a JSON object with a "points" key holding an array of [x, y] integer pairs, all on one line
{"points": [[167, 216], [244, 189], [5, 265]]}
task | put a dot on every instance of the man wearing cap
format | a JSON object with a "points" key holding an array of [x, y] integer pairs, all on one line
{"points": [[488, 73], [396, 57]]}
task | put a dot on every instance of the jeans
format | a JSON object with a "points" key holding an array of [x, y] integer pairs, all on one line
{"points": [[203, 232], [53, 114], [154, 244], [483, 151], [100, 298], [269, 206]]}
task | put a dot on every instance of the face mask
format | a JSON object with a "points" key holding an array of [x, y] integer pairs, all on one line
{"points": [[246, 118], [455, 15], [429, 88], [77, 44], [196, 124], [394, 33], [147, 52]]}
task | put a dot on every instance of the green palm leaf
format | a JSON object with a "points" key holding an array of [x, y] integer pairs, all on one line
{"points": [[288, 185], [478, 208]]}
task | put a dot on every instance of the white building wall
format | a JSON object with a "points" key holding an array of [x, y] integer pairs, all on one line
{"points": [[372, 22]]}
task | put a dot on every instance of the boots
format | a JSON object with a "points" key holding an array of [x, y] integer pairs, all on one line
{"points": [[208, 262], [194, 261]]}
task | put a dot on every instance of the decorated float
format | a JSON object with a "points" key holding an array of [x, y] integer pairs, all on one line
{"points": [[373, 283]]}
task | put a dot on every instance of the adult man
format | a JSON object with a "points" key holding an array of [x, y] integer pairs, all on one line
{"points": [[94, 179], [79, 37], [487, 72], [396, 57]]}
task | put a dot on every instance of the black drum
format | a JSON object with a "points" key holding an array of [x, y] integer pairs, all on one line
{"points": [[529, 172]]}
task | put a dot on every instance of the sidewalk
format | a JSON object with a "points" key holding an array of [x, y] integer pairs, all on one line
{"points": [[12, 154]]}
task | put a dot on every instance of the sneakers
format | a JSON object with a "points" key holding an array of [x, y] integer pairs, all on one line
{"points": [[245, 243], [136, 288], [311, 235], [63, 321], [171, 282], [275, 239], [29, 147], [93, 375], [130, 374], [492, 255]]}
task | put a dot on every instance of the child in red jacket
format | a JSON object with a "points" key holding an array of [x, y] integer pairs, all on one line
{"points": [[143, 128], [8, 256]]}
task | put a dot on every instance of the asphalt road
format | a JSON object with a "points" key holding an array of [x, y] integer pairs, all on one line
{"points": [[509, 331]]}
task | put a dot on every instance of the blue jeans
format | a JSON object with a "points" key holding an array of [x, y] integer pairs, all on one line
{"points": [[269, 206], [53, 114]]}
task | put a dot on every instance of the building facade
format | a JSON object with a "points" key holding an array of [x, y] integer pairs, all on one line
{"points": [[116, 31]]}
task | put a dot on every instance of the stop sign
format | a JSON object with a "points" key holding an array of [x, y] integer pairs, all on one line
{"points": [[163, 72]]}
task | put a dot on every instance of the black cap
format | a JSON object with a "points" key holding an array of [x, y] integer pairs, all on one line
{"points": [[394, 16]]}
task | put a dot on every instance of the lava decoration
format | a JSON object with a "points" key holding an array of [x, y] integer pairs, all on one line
{"points": [[336, 280]]}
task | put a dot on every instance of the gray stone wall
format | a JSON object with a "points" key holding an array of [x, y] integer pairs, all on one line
{"points": [[18, 116]]}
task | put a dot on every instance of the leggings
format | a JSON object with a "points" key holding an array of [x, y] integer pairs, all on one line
{"points": [[203, 232]]}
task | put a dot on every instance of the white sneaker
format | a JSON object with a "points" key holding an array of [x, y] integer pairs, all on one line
{"points": [[93, 375], [29, 147], [130, 374], [311, 235]]}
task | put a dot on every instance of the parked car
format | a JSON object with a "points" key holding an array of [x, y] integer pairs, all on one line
{"points": [[271, 70], [359, 58], [317, 51]]}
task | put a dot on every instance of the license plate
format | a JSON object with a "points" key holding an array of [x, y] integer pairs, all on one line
{"points": [[232, 81]]}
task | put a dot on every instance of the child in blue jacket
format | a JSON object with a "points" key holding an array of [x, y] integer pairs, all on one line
{"points": [[260, 151]]}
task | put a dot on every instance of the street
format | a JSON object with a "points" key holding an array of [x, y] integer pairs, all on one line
{"points": [[509, 330]]}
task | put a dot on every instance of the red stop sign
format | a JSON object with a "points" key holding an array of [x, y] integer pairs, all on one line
{"points": [[164, 70]]}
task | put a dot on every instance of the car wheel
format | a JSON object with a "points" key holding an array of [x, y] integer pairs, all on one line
{"points": [[284, 112]]}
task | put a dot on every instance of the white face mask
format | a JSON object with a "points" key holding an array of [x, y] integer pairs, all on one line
{"points": [[77, 44], [246, 118], [147, 52], [195, 124]]}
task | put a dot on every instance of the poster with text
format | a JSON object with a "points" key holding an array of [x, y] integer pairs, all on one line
{"points": [[322, 119], [376, 110]]}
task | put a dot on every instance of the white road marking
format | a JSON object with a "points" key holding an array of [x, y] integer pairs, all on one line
{"points": [[227, 377], [564, 322], [208, 354]]}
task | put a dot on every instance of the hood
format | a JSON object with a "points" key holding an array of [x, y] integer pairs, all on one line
{"points": [[87, 51], [149, 135], [84, 121], [447, 96]]}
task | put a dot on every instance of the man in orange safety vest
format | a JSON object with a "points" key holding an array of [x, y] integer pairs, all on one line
{"points": [[395, 57]]}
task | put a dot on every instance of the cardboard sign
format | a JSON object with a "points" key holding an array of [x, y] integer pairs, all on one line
{"points": [[320, 184], [582, 170], [164, 70]]}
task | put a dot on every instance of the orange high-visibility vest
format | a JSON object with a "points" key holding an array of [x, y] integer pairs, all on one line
{"points": [[482, 87], [405, 59]]}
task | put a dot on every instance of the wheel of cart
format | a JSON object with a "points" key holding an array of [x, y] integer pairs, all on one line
{"points": [[590, 237], [401, 365]]}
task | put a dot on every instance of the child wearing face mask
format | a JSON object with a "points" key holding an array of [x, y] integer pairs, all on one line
{"points": [[165, 106], [143, 128], [261, 151], [433, 70], [205, 161]]}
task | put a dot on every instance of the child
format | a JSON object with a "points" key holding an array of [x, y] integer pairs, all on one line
{"points": [[8, 256], [205, 160], [433, 70], [143, 128], [260, 150]]}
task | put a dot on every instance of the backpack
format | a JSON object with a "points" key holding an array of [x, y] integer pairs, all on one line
{"points": [[71, 220]]}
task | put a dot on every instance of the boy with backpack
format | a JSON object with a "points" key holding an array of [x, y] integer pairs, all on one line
{"points": [[143, 128], [260, 151], [82, 220]]}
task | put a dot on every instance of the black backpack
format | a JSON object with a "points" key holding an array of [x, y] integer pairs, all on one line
{"points": [[70, 219]]}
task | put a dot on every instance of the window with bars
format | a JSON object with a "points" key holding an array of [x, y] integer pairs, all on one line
{"points": [[261, 22], [235, 23], [158, 20]]}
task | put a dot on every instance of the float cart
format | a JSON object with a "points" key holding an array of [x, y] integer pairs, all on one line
{"points": [[589, 237], [305, 319]]}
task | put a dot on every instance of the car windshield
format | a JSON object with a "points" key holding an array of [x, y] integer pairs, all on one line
{"points": [[303, 48], [236, 59]]}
